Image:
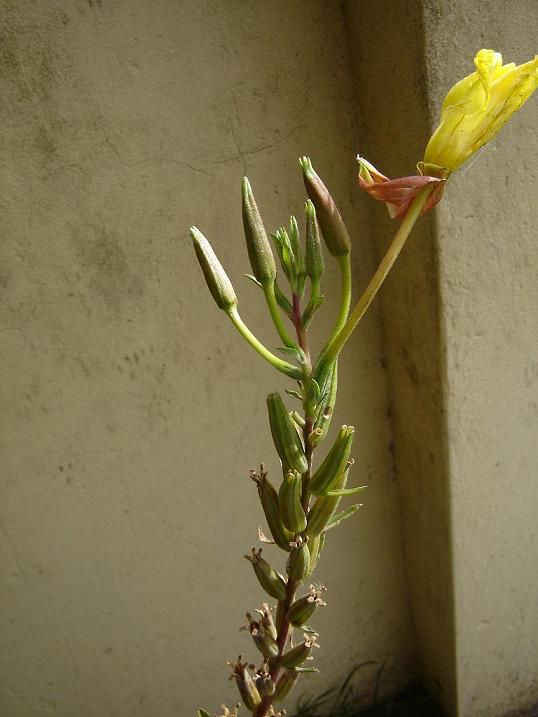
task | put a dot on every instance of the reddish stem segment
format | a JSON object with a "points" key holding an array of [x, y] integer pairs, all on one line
{"points": [[284, 605]]}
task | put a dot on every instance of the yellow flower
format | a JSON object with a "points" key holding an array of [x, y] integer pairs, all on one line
{"points": [[478, 106]]}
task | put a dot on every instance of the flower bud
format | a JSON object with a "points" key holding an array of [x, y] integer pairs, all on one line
{"points": [[314, 255], [216, 278], [259, 249], [332, 225]]}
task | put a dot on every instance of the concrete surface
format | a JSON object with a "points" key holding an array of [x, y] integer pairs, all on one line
{"points": [[131, 412]]}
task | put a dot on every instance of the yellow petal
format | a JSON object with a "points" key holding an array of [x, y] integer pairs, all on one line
{"points": [[478, 106]]}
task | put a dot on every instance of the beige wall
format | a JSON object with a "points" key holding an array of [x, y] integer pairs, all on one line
{"points": [[488, 270], [131, 411], [126, 445]]}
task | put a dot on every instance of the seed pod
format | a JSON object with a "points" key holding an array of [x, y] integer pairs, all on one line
{"points": [[285, 684], [271, 508], [291, 509], [285, 437], [216, 278], [323, 508], [246, 685], [264, 682], [265, 643], [326, 406], [280, 614], [272, 582], [314, 256], [326, 476], [316, 546], [298, 654], [303, 608], [259, 249], [266, 622], [332, 225], [299, 560]]}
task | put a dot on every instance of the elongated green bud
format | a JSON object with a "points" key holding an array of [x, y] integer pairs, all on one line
{"points": [[272, 582], [216, 278], [332, 225], [326, 476], [291, 509], [271, 508], [259, 249], [326, 406], [285, 685], [267, 624], [203, 713], [264, 642], [316, 547], [302, 609], [314, 256], [299, 560], [285, 437], [323, 508], [298, 654], [246, 685]]}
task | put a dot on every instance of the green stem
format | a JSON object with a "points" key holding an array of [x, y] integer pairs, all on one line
{"points": [[344, 261], [269, 291], [378, 278], [246, 333]]}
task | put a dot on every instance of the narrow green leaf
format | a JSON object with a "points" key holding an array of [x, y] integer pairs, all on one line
{"points": [[253, 279], [339, 517], [347, 491]]}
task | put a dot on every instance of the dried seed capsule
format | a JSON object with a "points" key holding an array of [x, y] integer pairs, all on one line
{"points": [[314, 255], [216, 278], [298, 654], [271, 508], [285, 437], [332, 225], [326, 476], [266, 622], [264, 642], [299, 560], [259, 249], [245, 684], [322, 510], [264, 682], [285, 684], [272, 582], [291, 509], [303, 608]]}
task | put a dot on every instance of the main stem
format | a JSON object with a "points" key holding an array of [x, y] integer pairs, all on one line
{"points": [[292, 585]]}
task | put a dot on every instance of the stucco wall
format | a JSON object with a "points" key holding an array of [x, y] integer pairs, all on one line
{"points": [[131, 411], [488, 269]]}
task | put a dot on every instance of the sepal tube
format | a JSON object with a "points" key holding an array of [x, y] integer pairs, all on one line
{"points": [[331, 223]]}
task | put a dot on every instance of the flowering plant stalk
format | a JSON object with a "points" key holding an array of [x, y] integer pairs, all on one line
{"points": [[302, 504]]}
